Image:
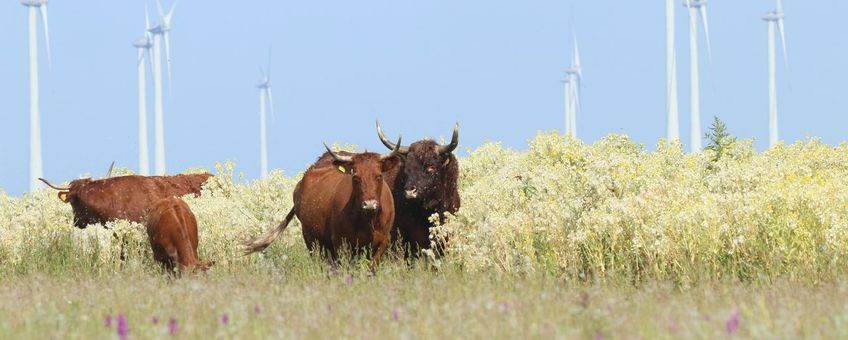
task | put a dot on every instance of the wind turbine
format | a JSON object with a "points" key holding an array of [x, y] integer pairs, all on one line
{"points": [[774, 18], [567, 95], [573, 81], [143, 44], [696, 7], [35, 164], [673, 120], [264, 90], [160, 32]]}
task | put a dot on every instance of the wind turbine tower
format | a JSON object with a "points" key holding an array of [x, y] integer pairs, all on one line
{"points": [[160, 32], [143, 45], [774, 18], [567, 94], [35, 165], [264, 86], [696, 7], [673, 120], [573, 81]]}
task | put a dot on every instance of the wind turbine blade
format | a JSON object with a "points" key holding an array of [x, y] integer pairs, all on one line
{"points": [[43, 10], [148, 59], [271, 104], [146, 19], [577, 91], [140, 56], [780, 6], [170, 14], [269, 63], [703, 10], [783, 41], [159, 9], [576, 61], [168, 56]]}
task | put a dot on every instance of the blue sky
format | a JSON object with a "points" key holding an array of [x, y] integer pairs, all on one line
{"points": [[418, 65]]}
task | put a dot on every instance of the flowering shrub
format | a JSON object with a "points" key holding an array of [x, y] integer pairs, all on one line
{"points": [[607, 210]]}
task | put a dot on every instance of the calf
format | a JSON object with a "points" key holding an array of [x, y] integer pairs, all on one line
{"points": [[172, 231]]}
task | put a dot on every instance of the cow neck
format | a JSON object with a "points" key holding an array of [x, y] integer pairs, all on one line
{"points": [[418, 212]]}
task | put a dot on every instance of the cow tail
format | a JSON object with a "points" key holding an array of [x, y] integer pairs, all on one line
{"points": [[262, 242]]}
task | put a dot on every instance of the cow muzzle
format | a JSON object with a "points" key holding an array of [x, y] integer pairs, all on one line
{"points": [[412, 193], [370, 205]]}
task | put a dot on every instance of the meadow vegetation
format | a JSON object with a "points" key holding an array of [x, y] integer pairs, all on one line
{"points": [[564, 239]]}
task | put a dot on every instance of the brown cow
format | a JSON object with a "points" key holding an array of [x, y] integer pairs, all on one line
{"points": [[123, 198], [346, 204], [424, 184], [172, 231]]}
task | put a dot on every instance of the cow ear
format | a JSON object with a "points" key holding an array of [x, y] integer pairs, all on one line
{"points": [[447, 161], [389, 164], [343, 167], [63, 196]]}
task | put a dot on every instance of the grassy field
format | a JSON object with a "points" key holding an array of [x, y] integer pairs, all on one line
{"points": [[408, 303], [564, 240]]}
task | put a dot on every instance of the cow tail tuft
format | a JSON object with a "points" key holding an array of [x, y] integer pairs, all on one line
{"points": [[260, 243]]}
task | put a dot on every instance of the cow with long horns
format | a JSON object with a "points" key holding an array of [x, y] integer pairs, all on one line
{"points": [[123, 198], [426, 183], [348, 203]]}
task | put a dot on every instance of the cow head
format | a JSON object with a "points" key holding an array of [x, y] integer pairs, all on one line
{"points": [[71, 195], [430, 172], [366, 170]]}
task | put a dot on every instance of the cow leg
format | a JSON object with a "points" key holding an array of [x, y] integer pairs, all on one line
{"points": [[167, 258], [379, 244], [174, 262]]}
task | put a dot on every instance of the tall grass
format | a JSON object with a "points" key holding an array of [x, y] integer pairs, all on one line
{"points": [[609, 211]]}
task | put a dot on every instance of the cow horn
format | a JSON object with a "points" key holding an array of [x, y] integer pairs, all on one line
{"points": [[400, 149], [111, 168], [454, 141], [53, 186], [337, 157], [394, 152]]}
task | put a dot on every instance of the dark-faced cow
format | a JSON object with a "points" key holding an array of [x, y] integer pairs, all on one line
{"points": [[172, 231], [424, 184], [348, 203], [123, 198]]}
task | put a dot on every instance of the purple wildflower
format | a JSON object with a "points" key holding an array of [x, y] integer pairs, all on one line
{"points": [[225, 318], [395, 315], [123, 327], [172, 326], [349, 280], [257, 308], [672, 326], [732, 324], [599, 337], [155, 320], [108, 321], [504, 307]]}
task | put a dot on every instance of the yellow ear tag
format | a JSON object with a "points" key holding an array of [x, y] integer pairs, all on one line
{"points": [[342, 169], [63, 196]]}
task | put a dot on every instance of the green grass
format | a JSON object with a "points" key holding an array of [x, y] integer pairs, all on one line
{"points": [[306, 300]]}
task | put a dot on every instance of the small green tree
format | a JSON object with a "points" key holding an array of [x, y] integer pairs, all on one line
{"points": [[719, 138]]}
